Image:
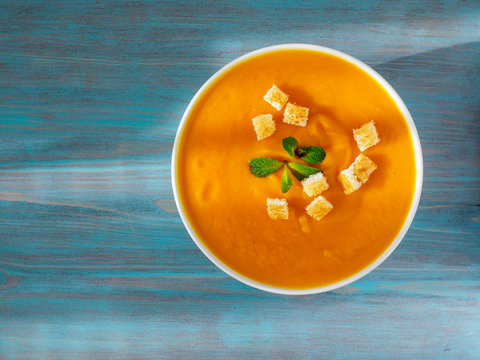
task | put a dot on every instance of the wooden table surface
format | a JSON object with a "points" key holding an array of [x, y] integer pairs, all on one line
{"points": [[94, 260]]}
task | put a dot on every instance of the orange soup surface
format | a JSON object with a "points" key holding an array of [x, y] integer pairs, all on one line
{"points": [[226, 204]]}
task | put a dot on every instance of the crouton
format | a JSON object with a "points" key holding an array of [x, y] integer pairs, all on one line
{"points": [[349, 181], [366, 136], [315, 184], [264, 126], [319, 207], [277, 209], [362, 167], [295, 115], [276, 97]]}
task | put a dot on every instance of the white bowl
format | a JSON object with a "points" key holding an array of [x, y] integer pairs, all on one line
{"points": [[418, 163]]}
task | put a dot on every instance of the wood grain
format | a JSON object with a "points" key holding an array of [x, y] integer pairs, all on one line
{"points": [[94, 260]]}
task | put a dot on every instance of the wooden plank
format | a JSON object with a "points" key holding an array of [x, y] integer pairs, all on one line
{"points": [[94, 260]]}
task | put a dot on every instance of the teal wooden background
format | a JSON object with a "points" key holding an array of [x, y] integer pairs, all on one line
{"points": [[94, 260]]}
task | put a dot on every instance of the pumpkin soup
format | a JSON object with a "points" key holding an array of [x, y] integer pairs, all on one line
{"points": [[226, 205]]}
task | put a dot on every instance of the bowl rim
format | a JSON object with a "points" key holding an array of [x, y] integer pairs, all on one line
{"points": [[418, 164]]}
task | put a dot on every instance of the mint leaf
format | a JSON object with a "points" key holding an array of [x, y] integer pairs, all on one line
{"points": [[311, 154], [287, 181], [289, 144], [301, 151], [314, 155], [264, 166], [301, 171]]}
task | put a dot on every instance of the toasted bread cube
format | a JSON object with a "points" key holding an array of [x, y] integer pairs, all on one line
{"points": [[319, 207], [315, 184], [264, 126], [295, 115], [366, 136], [349, 181], [362, 167], [277, 209], [276, 97]]}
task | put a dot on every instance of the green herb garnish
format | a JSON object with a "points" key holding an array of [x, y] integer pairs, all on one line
{"points": [[311, 154], [264, 166], [290, 144], [287, 181], [301, 171], [301, 151]]}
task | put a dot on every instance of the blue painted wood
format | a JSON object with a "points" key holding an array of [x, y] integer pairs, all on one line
{"points": [[94, 260]]}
